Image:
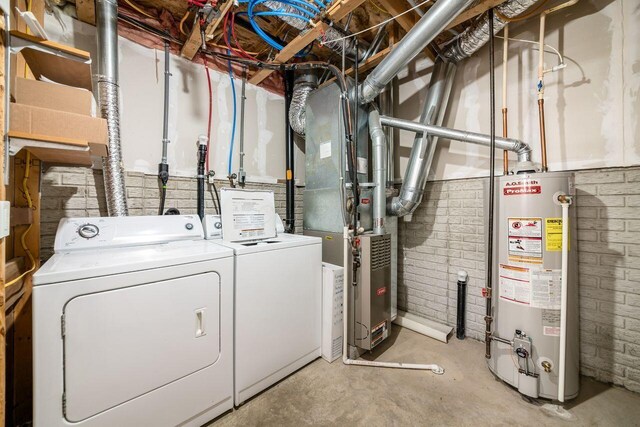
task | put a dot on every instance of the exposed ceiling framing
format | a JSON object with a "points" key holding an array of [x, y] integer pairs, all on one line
{"points": [[166, 14]]}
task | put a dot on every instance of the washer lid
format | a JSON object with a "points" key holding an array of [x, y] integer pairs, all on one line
{"points": [[282, 241], [74, 265]]}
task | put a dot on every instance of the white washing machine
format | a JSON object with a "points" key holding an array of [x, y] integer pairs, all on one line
{"points": [[132, 325], [278, 299]]}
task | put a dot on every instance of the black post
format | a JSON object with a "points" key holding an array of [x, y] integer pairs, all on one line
{"points": [[202, 156], [290, 221], [462, 304], [488, 318]]}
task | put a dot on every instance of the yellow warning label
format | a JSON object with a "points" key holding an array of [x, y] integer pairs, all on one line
{"points": [[553, 234]]}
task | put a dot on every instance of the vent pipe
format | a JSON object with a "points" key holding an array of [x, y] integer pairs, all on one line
{"points": [[515, 145], [415, 41], [109, 104], [423, 149], [379, 148]]}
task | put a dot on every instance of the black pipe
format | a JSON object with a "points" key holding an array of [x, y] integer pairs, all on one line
{"points": [[462, 304], [488, 318], [290, 221], [202, 156]]}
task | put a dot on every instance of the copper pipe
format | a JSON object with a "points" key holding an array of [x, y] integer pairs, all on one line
{"points": [[505, 153], [543, 137]]}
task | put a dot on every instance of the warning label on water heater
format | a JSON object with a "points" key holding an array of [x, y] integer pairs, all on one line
{"points": [[515, 284], [525, 240]]}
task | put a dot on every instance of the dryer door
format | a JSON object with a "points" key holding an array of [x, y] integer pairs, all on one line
{"points": [[121, 344]]}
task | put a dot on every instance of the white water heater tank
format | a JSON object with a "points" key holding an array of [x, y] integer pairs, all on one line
{"points": [[526, 294]]}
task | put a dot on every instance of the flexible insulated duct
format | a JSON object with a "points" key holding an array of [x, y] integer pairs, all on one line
{"points": [[109, 104], [477, 34], [302, 88], [331, 33], [415, 41]]}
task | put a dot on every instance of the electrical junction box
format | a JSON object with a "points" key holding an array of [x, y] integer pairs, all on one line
{"points": [[332, 311], [5, 209]]}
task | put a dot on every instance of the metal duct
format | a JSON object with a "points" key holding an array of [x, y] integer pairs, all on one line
{"points": [[423, 149], [331, 33], [379, 148], [477, 34], [515, 145], [303, 87], [109, 103], [426, 29]]}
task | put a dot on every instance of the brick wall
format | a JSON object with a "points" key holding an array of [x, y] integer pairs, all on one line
{"points": [[447, 233], [78, 192]]}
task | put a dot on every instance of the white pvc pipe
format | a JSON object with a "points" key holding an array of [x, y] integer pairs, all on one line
{"points": [[436, 369], [563, 301]]}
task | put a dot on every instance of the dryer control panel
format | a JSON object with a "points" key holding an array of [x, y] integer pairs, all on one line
{"points": [[99, 232]]}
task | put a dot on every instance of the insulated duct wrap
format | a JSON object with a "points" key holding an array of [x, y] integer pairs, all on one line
{"points": [[477, 34], [301, 91], [112, 168], [109, 104], [331, 33]]}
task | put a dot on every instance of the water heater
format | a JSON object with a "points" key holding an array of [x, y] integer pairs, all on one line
{"points": [[526, 294]]}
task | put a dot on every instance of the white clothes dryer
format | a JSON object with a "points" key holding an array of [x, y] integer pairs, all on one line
{"points": [[133, 324]]}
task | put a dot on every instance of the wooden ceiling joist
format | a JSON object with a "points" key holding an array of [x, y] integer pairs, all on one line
{"points": [[395, 8], [86, 11], [338, 11], [193, 43], [474, 11]]}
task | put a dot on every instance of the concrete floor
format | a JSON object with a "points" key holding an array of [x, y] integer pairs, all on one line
{"points": [[467, 394]]}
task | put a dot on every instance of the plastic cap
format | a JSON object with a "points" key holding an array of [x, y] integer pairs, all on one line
{"points": [[462, 276], [202, 140]]}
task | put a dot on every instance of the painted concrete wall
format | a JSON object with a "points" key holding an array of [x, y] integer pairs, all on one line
{"points": [[592, 106], [142, 86]]}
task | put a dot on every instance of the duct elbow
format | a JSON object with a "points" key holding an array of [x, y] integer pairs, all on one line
{"points": [[369, 89], [524, 153], [401, 206], [301, 91]]}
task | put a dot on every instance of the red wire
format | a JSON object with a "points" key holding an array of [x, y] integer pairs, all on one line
{"points": [[206, 68]]}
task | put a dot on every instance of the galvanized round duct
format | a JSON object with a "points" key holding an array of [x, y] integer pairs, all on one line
{"points": [[109, 104]]}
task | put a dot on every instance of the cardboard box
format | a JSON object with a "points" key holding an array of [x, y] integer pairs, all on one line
{"points": [[58, 124], [332, 311], [53, 96]]}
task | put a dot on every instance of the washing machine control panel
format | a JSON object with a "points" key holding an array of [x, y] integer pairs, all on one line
{"points": [[104, 232]]}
